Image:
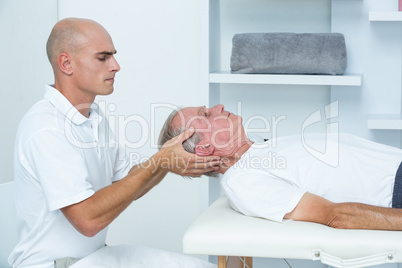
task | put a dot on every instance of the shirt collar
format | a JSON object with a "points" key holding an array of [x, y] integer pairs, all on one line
{"points": [[62, 104]]}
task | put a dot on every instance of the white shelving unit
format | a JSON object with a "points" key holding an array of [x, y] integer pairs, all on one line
{"points": [[385, 121], [225, 77], [385, 16], [220, 75], [222, 20]]}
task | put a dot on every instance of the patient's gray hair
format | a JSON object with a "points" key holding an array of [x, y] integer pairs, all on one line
{"points": [[168, 132]]}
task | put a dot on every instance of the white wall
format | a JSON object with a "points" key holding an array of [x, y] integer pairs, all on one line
{"points": [[24, 68]]}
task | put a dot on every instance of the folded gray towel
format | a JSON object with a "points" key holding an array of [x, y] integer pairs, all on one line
{"points": [[289, 53]]}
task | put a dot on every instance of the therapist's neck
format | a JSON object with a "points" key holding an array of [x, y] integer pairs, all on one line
{"points": [[81, 100]]}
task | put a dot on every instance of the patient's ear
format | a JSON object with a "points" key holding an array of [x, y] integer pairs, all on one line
{"points": [[204, 149]]}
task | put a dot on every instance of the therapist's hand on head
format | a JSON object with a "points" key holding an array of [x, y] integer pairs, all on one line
{"points": [[183, 163]]}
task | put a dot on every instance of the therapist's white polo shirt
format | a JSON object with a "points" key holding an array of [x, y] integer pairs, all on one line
{"points": [[61, 158]]}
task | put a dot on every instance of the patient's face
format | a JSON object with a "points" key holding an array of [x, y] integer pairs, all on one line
{"points": [[221, 128]]}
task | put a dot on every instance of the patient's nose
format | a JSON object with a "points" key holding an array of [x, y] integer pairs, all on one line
{"points": [[219, 108]]}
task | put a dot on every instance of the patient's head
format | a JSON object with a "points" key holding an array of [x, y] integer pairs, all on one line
{"points": [[217, 132]]}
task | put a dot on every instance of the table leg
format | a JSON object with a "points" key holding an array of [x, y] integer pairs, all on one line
{"points": [[248, 261], [221, 261], [235, 262]]}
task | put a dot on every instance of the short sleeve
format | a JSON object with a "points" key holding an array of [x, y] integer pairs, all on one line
{"points": [[122, 165], [59, 167], [259, 195]]}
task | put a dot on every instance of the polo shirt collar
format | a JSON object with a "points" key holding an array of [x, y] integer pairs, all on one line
{"points": [[62, 104]]}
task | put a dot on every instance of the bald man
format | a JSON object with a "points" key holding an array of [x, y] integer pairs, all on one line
{"points": [[70, 179]]}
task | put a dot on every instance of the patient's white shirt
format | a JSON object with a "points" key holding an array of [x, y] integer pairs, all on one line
{"points": [[61, 158], [270, 178]]}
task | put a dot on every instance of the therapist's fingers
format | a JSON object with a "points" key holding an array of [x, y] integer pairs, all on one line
{"points": [[184, 163], [199, 159], [196, 169], [189, 167], [196, 172], [179, 139], [186, 134], [204, 159], [175, 146], [199, 163]]}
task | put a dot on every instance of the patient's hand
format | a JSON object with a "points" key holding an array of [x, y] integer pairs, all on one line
{"points": [[180, 162]]}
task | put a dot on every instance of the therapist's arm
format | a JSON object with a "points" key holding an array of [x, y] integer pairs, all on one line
{"points": [[347, 215], [96, 212]]}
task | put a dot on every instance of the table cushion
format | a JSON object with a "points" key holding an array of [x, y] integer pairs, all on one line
{"points": [[222, 231]]}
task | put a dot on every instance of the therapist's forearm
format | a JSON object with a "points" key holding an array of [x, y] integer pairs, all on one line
{"points": [[362, 216], [156, 176], [95, 213]]}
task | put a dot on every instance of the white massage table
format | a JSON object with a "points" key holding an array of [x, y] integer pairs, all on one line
{"points": [[223, 232]]}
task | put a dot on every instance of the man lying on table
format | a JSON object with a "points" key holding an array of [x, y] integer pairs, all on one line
{"points": [[279, 179]]}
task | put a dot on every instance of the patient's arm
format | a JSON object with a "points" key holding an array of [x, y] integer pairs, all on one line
{"points": [[314, 208]]}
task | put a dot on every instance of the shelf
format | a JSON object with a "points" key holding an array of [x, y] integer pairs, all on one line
{"points": [[385, 121], [385, 16], [283, 79]]}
